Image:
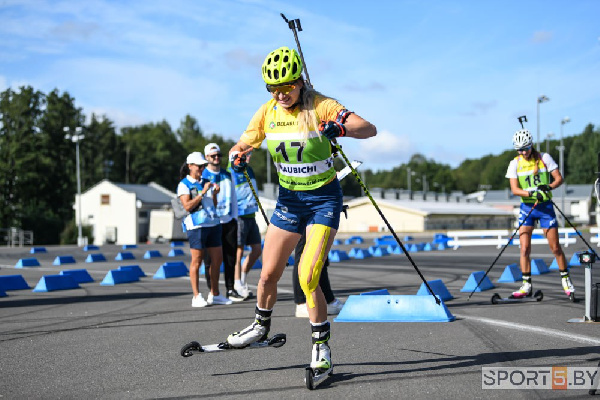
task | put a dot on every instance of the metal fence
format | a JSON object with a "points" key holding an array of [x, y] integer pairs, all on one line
{"points": [[15, 237]]}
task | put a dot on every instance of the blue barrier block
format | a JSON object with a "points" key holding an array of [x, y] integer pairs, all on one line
{"points": [[291, 260], [554, 265], [384, 240], [97, 257], [353, 251], [79, 275], [354, 239], [440, 238], [176, 253], [35, 250], [171, 270], [512, 273], [60, 260], [393, 308], [152, 254], [408, 238], [442, 246], [49, 283], [129, 246], [176, 244], [439, 289], [13, 282], [538, 267], [134, 269], [257, 264], [413, 248], [3, 293], [27, 262], [361, 254], [380, 252], [475, 277], [115, 277], [203, 270], [379, 292], [337, 242], [124, 255], [90, 247], [575, 260], [428, 247], [338, 255]]}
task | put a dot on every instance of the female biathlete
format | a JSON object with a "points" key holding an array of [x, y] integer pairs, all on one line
{"points": [[298, 124], [529, 175]]}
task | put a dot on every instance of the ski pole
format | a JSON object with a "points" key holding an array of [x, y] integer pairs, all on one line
{"points": [[502, 251], [573, 226], [295, 26], [392, 231], [256, 196]]}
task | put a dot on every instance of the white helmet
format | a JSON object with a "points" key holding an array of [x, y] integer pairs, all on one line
{"points": [[522, 138]]}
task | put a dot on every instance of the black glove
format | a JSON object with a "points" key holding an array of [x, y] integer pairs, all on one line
{"points": [[332, 129], [238, 164], [544, 188], [539, 196]]}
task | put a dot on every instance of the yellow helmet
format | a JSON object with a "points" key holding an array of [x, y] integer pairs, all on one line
{"points": [[281, 66]]}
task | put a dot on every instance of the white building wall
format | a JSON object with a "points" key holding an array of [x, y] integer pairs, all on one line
{"points": [[119, 215], [365, 218]]}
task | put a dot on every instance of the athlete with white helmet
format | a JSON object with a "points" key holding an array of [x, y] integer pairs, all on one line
{"points": [[533, 175], [298, 124]]}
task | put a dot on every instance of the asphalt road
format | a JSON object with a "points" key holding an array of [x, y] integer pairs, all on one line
{"points": [[123, 341]]}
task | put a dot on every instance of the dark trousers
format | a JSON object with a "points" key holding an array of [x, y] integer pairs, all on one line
{"points": [[229, 239], [299, 296]]}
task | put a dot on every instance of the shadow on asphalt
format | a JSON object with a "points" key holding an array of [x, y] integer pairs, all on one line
{"points": [[45, 301]]}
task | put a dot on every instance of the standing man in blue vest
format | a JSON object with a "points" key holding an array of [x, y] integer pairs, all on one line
{"points": [[227, 210], [248, 232]]}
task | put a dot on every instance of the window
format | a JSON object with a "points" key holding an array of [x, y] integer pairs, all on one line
{"points": [[105, 199]]}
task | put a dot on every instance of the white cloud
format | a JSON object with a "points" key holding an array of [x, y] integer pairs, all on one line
{"points": [[383, 151]]}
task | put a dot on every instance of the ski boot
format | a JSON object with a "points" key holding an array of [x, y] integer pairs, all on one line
{"points": [[524, 291], [256, 332], [568, 286], [320, 365]]}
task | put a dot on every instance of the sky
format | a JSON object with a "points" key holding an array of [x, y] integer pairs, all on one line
{"points": [[446, 79]]}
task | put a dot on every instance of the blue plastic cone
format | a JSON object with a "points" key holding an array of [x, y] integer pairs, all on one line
{"points": [[398, 308]]}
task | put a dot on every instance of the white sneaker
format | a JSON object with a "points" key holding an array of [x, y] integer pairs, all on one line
{"points": [[321, 356], [251, 334], [301, 311], [567, 285], [242, 290], [334, 307], [524, 291], [198, 301], [218, 299]]}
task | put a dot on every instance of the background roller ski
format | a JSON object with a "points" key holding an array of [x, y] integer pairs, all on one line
{"points": [[497, 299], [191, 348]]}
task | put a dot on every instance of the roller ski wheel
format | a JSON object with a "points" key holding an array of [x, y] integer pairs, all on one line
{"points": [[572, 297], [192, 348], [497, 299], [314, 377]]}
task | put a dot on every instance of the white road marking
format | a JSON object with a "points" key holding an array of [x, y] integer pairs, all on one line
{"points": [[528, 328]]}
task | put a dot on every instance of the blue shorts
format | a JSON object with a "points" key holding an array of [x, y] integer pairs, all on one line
{"points": [[543, 212], [247, 232], [202, 238], [295, 210]]}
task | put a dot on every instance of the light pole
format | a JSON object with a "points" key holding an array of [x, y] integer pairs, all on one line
{"points": [[549, 136], [541, 99], [561, 148], [76, 138]]}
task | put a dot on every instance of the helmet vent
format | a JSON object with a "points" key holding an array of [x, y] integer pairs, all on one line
{"points": [[276, 74], [276, 58], [286, 58], [284, 71], [294, 69]]}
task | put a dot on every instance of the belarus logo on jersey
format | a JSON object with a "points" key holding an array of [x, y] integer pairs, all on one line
{"points": [[272, 125]]}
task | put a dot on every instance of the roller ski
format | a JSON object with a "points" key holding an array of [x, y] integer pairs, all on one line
{"points": [[568, 287], [524, 294], [192, 348], [497, 299], [320, 367]]}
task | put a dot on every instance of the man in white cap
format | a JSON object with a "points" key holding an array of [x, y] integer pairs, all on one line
{"points": [[227, 210]]}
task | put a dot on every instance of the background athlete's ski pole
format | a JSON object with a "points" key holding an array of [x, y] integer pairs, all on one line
{"points": [[573, 226], [502, 251], [293, 25]]}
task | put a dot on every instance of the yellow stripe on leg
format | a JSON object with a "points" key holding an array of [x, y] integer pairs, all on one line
{"points": [[316, 244]]}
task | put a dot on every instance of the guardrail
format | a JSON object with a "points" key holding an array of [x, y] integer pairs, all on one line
{"points": [[499, 238], [15, 237]]}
